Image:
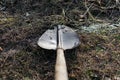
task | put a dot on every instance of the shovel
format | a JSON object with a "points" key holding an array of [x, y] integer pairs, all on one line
{"points": [[60, 38]]}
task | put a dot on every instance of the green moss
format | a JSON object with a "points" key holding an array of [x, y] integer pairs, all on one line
{"points": [[27, 78], [93, 74], [6, 20], [118, 72], [117, 37]]}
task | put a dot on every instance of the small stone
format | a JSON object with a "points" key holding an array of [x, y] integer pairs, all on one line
{"points": [[117, 77]]}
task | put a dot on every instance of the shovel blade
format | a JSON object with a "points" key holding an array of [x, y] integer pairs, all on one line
{"points": [[69, 38], [48, 39]]}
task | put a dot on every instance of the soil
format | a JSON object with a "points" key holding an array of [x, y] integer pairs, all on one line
{"points": [[98, 26]]}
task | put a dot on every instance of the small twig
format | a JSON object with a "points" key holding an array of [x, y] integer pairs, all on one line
{"points": [[6, 57], [88, 11]]}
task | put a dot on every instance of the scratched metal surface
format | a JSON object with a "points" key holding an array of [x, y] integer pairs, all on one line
{"points": [[68, 38]]}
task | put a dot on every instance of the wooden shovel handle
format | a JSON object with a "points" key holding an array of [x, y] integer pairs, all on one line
{"points": [[60, 67]]}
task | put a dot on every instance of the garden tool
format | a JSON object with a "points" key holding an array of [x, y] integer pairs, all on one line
{"points": [[60, 38]]}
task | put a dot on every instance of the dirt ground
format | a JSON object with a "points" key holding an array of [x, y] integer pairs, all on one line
{"points": [[97, 57]]}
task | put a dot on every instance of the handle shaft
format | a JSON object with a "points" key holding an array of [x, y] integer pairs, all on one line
{"points": [[60, 67]]}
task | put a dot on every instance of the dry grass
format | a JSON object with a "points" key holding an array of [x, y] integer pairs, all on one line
{"points": [[97, 57]]}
